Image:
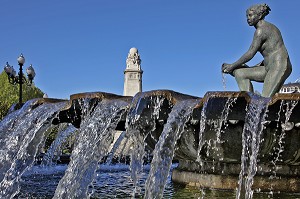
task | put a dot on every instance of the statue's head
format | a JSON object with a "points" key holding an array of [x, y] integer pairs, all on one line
{"points": [[257, 12], [133, 51]]}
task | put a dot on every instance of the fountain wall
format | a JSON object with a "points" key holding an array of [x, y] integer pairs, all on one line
{"points": [[215, 139], [220, 119]]}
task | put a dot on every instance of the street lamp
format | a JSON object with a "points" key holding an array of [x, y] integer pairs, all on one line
{"points": [[20, 79]]}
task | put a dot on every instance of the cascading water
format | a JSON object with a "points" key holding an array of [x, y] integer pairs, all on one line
{"points": [[115, 147], [223, 119], [224, 81], [94, 138], [22, 132], [287, 108], [133, 131], [290, 105], [164, 149], [10, 120], [219, 126], [203, 121], [8, 124], [201, 131], [54, 151], [251, 138], [154, 114], [136, 160]]}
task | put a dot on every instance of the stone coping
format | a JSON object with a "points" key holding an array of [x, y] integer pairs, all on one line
{"points": [[230, 182], [95, 95], [170, 95], [216, 101], [285, 96], [248, 96], [174, 96], [49, 100], [99, 95]]}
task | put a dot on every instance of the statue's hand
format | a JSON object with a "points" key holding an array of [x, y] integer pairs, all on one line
{"points": [[227, 68]]}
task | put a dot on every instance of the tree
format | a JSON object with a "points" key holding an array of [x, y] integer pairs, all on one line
{"points": [[9, 94]]}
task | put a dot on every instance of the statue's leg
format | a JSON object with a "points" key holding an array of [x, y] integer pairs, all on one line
{"points": [[244, 76], [275, 78]]}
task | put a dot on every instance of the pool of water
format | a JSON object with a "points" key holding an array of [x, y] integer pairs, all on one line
{"points": [[114, 182]]}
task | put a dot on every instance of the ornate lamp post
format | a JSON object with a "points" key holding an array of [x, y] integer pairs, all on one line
{"points": [[20, 78]]}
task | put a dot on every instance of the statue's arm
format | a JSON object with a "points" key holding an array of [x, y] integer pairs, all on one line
{"points": [[255, 46]]}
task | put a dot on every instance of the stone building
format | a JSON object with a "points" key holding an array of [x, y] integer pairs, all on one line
{"points": [[133, 73], [290, 88]]}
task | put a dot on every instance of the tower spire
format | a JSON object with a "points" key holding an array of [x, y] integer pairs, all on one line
{"points": [[133, 73]]}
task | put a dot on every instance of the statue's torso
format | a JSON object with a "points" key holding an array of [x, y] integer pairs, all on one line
{"points": [[273, 49]]}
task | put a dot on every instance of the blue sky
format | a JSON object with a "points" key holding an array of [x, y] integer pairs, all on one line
{"points": [[81, 45]]}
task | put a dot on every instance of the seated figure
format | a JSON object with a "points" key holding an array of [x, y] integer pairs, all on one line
{"points": [[276, 66]]}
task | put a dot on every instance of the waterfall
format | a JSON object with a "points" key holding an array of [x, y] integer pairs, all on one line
{"points": [[165, 147], [94, 138], [133, 130], [22, 132], [220, 125], [201, 131], [224, 117], [251, 138], [289, 107], [11, 119], [54, 150], [115, 147]]}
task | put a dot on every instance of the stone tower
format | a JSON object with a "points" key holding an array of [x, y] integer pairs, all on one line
{"points": [[133, 73]]}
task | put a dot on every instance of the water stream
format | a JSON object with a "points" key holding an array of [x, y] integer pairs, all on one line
{"points": [[219, 126], [115, 148], [164, 149], [22, 132], [94, 138], [251, 138], [54, 152], [224, 81], [134, 130], [201, 131], [287, 108]]}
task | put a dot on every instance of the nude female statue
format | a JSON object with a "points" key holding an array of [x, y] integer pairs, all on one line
{"points": [[276, 66]]}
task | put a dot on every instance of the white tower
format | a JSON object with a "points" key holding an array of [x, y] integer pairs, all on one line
{"points": [[133, 73]]}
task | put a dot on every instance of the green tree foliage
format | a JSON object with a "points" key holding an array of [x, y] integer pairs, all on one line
{"points": [[9, 94]]}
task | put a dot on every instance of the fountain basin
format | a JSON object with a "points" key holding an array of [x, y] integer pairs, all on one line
{"points": [[225, 117], [221, 161]]}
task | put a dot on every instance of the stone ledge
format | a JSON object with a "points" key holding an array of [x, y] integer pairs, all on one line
{"points": [[230, 182]]}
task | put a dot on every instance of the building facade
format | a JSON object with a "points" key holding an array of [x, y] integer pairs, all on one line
{"points": [[290, 88]]}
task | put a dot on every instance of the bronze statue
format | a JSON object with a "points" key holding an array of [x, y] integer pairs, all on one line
{"points": [[276, 66]]}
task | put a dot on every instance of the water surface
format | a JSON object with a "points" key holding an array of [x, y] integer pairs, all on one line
{"points": [[114, 182]]}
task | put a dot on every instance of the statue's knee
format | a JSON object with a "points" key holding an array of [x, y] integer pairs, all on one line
{"points": [[238, 73]]}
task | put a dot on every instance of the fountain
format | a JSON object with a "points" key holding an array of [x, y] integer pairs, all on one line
{"points": [[235, 141], [246, 142]]}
